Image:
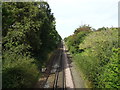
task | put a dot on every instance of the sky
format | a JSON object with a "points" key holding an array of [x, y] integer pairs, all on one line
{"points": [[70, 14]]}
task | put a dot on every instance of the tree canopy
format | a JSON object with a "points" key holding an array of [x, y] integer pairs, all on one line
{"points": [[29, 35]]}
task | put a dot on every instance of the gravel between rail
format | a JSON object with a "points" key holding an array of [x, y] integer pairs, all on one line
{"points": [[60, 73]]}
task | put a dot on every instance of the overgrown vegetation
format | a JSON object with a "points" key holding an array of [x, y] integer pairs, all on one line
{"points": [[29, 36], [96, 55]]}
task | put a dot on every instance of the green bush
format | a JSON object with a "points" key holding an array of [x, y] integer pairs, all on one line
{"points": [[98, 46], [110, 76], [99, 58], [78, 37], [19, 71]]}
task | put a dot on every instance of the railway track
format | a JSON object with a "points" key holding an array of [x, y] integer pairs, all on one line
{"points": [[59, 80], [56, 79], [57, 74]]}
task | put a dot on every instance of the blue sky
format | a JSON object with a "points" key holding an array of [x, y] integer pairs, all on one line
{"points": [[70, 14]]}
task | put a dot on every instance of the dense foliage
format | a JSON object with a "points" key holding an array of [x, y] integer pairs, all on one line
{"points": [[74, 40], [97, 56], [29, 36]]}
